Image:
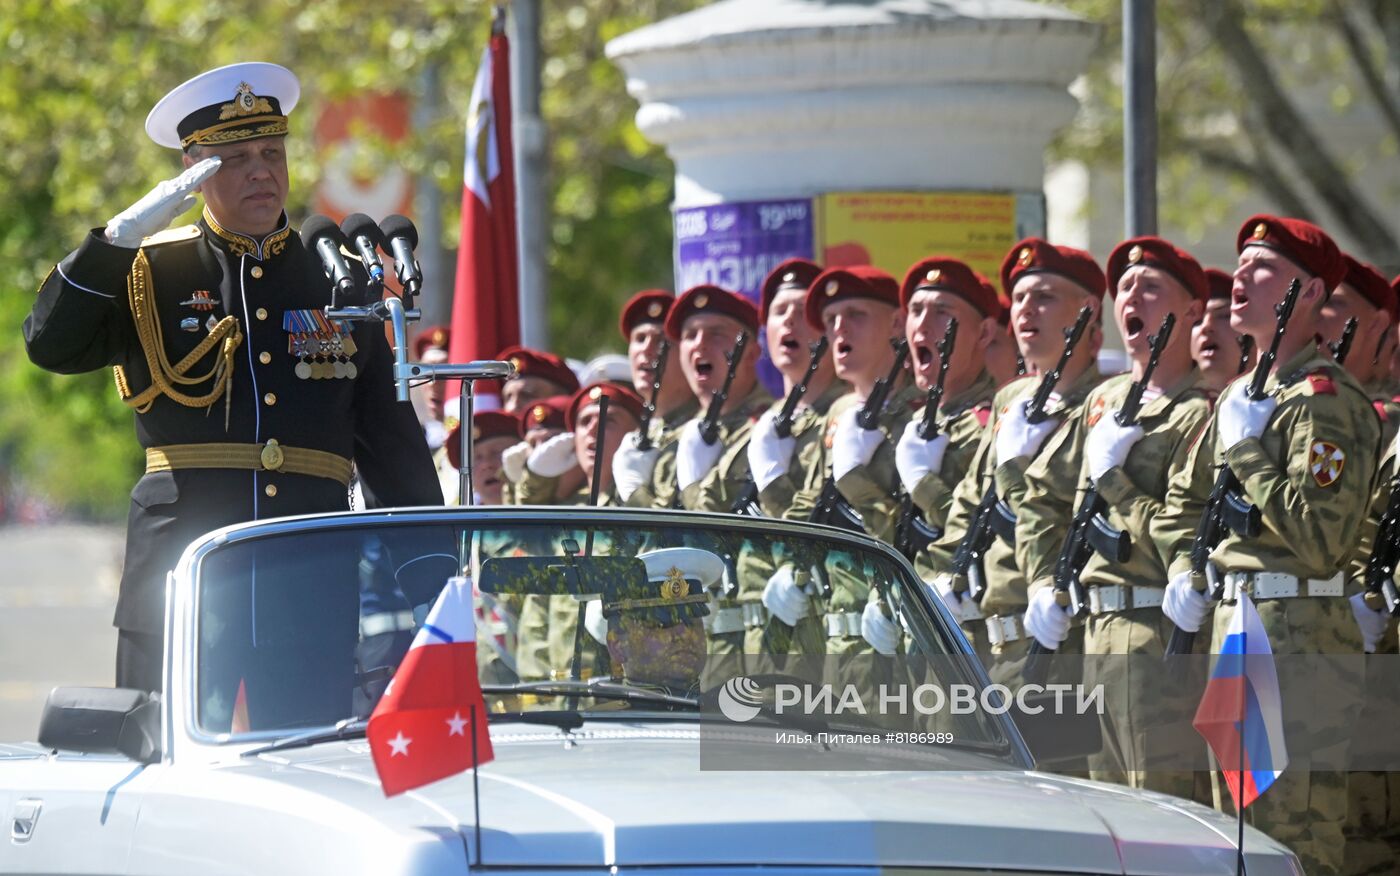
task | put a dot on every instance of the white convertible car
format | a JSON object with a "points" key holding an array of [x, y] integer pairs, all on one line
{"points": [[616, 749]]}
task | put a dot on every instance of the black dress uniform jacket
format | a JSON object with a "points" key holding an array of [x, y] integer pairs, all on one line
{"points": [[82, 321]]}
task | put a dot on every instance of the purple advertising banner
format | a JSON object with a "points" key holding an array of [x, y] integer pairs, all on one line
{"points": [[734, 246]]}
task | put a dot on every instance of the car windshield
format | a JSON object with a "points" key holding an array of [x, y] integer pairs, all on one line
{"points": [[302, 626]]}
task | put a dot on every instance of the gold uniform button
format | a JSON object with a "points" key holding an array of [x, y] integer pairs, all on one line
{"points": [[265, 357], [270, 399], [271, 490], [261, 313], [256, 272]]}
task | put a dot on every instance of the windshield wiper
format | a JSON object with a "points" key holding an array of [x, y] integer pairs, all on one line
{"points": [[600, 690], [566, 721], [349, 728]]}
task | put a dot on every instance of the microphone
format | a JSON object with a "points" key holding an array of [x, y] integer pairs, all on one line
{"points": [[364, 236], [321, 235], [403, 237]]}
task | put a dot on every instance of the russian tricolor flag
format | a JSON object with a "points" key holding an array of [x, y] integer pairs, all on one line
{"points": [[1241, 713], [431, 722]]}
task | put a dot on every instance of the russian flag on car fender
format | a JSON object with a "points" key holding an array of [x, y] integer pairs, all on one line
{"points": [[419, 731], [1241, 712]]}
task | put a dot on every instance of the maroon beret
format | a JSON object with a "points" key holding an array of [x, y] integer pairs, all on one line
{"points": [[1221, 283], [487, 425], [1036, 256], [851, 281], [536, 363], [792, 274], [710, 299], [1154, 252], [646, 306], [1370, 284], [547, 413], [1003, 302], [1303, 243], [619, 396], [944, 274], [435, 337]]}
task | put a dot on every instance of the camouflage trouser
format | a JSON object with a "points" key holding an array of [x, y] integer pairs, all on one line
{"points": [[1373, 798], [1147, 719], [532, 639], [1306, 808]]}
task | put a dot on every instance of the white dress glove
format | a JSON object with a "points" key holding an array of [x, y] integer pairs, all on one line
{"points": [[1372, 623], [158, 207], [632, 467], [916, 458], [1017, 436], [1186, 606], [852, 446], [553, 457], [513, 460], [1046, 620], [769, 455], [1238, 418], [878, 630], [784, 599], [695, 458], [594, 621], [436, 433], [1108, 444]]}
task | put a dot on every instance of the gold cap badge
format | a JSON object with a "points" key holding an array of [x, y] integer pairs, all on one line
{"points": [[654, 309], [245, 103], [517, 363], [1261, 231], [832, 287], [789, 277], [540, 412], [1025, 257], [701, 300], [675, 586], [933, 276], [595, 393], [1135, 255], [476, 432]]}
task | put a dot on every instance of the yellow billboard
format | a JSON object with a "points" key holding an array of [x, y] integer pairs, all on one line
{"points": [[893, 230]]}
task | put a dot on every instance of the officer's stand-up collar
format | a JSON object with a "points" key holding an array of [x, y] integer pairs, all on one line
{"points": [[238, 245]]}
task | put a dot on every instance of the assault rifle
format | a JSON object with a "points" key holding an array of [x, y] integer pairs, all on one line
{"points": [[1226, 508], [658, 371], [1380, 592], [1090, 532], [1341, 347], [709, 427], [832, 508], [994, 517], [1246, 350], [747, 503], [912, 534]]}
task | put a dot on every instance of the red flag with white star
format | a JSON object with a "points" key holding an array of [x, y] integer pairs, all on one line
{"points": [[421, 729]]}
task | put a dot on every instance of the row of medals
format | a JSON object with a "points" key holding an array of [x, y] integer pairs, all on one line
{"points": [[323, 356]]}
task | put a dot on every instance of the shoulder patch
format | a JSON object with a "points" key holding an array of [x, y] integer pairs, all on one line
{"points": [[1379, 405], [1096, 410], [1325, 461], [983, 413], [172, 235], [1321, 383]]}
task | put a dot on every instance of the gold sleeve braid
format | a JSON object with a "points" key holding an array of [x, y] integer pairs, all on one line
{"points": [[226, 335]]}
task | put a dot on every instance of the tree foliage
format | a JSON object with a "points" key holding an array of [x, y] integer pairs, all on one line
{"points": [[80, 76]]}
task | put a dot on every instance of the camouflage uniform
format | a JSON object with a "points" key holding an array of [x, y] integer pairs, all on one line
{"points": [[1311, 520], [963, 417], [665, 432], [871, 490], [1004, 599], [1148, 715]]}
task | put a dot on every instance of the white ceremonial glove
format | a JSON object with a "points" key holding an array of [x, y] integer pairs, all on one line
{"points": [[769, 455], [852, 446], [435, 433], [632, 467], [1186, 606], [916, 458], [595, 622], [1046, 620], [943, 587], [695, 458], [513, 461], [784, 599], [1108, 444], [1371, 623], [878, 630], [1016, 436], [553, 457], [159, 206], [1238, 418]]}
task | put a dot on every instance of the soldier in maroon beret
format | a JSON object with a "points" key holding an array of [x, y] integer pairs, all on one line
{"points": [[643, 326], [1003, 357], [1215, 346], [537, 375], [1366, 296], [542, 421], [494, 432]]}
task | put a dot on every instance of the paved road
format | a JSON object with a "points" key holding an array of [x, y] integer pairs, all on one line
{"points": [[58, 585]]}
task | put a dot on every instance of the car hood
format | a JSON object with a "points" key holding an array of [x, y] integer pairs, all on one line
{"points": [[635, 796]]}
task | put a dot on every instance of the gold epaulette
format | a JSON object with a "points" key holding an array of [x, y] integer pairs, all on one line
{"points": [[172, 235]]}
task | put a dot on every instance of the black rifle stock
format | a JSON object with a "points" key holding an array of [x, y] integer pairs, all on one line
{"points": [[832, 508], [1089, 531], [747, 502], [1380, 592], [1341, 348], [658, 370], [994, 517], [1226, 508], [709, 427], [912, 534]]}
